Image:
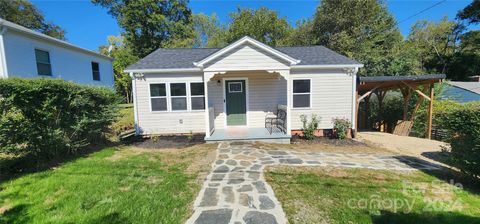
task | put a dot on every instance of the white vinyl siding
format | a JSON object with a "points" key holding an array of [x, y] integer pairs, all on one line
{"points": [[167, 122], [65, 63], [246, 57], [331, 96]]}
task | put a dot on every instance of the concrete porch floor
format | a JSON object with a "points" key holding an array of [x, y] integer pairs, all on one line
{"points": [[249, 134]]}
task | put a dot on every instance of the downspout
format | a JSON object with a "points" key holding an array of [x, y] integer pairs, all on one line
{"points": [[135, 107], [3, 55]]}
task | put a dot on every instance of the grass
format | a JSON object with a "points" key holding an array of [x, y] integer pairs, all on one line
{"points": [[322, 195], [113, 185]]}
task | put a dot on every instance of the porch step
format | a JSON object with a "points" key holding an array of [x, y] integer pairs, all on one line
{"points": [[249, 135]]}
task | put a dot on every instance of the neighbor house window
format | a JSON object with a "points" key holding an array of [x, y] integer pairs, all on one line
{"points": [[178, 95], [158, 97], [43, 62], [95, 71], [197, 94], [301, 93]]}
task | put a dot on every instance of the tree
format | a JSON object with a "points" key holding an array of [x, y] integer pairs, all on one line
{"points": [[209, 32], [368, 33], [302, 35], [471, 13], [123, 57], [26, 14], [151, 24], [262, 24], [435, 43]]}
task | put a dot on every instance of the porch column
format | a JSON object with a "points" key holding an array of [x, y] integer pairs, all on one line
{"points": [[206, 77], [286, 75]]}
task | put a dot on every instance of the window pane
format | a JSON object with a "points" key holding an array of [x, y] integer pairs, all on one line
{"points": [[198, 103], [157, 90], [44, 69], [197, 89], [301, 100], [96, 75], [179, 103], [301, 86], [95, 66], [42, 56], [235, 87], [159, 104], [178, 89]]}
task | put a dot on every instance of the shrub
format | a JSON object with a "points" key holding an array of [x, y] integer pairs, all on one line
{"points": [[463, 125], [341, 126], [309, 128], [47, 117]]}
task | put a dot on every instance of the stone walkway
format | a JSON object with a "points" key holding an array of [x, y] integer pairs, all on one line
{"points": [[236, 191]]}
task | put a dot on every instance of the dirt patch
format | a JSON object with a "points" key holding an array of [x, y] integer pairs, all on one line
{"points": [[169, 142], [328, 145], [328, 141], [5, 208], [426, 149], [306, 213]]}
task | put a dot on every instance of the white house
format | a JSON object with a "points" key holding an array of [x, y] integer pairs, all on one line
{"points": [[29, 54], [231, 93]]}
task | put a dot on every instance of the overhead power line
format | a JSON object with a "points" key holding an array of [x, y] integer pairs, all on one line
{"points": [[422, 11]]}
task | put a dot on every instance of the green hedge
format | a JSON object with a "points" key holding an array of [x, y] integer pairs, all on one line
{"points": [[463, 125], [48, 117]]}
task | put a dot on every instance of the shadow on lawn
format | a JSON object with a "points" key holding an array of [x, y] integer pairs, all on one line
{"points": [[28, 164], [444, 173], [19, 214], [424, 218]]}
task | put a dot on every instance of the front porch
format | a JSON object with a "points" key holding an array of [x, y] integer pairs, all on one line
{"points": [[249, 134], [240, 113]]}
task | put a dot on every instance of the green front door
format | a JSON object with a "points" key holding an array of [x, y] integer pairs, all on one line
{"points": [[236, 101]]}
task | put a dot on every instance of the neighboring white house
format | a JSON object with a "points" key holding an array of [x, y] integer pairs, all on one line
{"points": [[29, 54], [228, 93]]}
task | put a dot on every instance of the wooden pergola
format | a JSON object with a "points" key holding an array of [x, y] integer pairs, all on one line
{"points": [[379, 85]]}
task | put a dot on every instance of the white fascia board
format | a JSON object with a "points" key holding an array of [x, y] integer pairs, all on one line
{"points": [[243, 40], [34, 34], [326, 66], [162, 70]]}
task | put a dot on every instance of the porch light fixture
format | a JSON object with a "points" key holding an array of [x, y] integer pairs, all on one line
{"points": [[218, 82]]}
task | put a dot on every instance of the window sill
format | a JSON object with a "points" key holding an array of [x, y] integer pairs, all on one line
{"points": [[176, 111], [301, 108]]}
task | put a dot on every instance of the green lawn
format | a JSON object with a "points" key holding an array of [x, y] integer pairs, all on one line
{"points": [[113, 185], [322, 195]]}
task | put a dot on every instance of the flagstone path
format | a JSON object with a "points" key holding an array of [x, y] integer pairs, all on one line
{"points": [[236, 191]]}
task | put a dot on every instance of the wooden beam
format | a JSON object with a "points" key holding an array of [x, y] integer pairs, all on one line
{"points": [[369, 92], [417, 91], [430, 112], [356, 111], [406, 97]]}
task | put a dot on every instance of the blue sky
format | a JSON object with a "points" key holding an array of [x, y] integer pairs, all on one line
{"points": [[89, 26]]}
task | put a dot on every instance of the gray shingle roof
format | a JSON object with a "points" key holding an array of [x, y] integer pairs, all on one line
{"points": [[174, 58], [400, 78]]}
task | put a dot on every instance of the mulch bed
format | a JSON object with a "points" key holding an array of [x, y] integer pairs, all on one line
{"points": [[168, 142], [327, 141]]}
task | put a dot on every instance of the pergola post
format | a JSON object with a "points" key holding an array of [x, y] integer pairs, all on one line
{"points": [[430, 112]]}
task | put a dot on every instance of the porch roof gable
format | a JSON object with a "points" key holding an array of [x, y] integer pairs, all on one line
{"points": [[242, 41]]}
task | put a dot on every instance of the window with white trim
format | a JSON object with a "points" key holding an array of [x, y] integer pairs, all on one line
{"points": [[235, 87], [301, 93], [95, 71], [158, 97], [43, 62], [197, 96], [178, 96]]}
